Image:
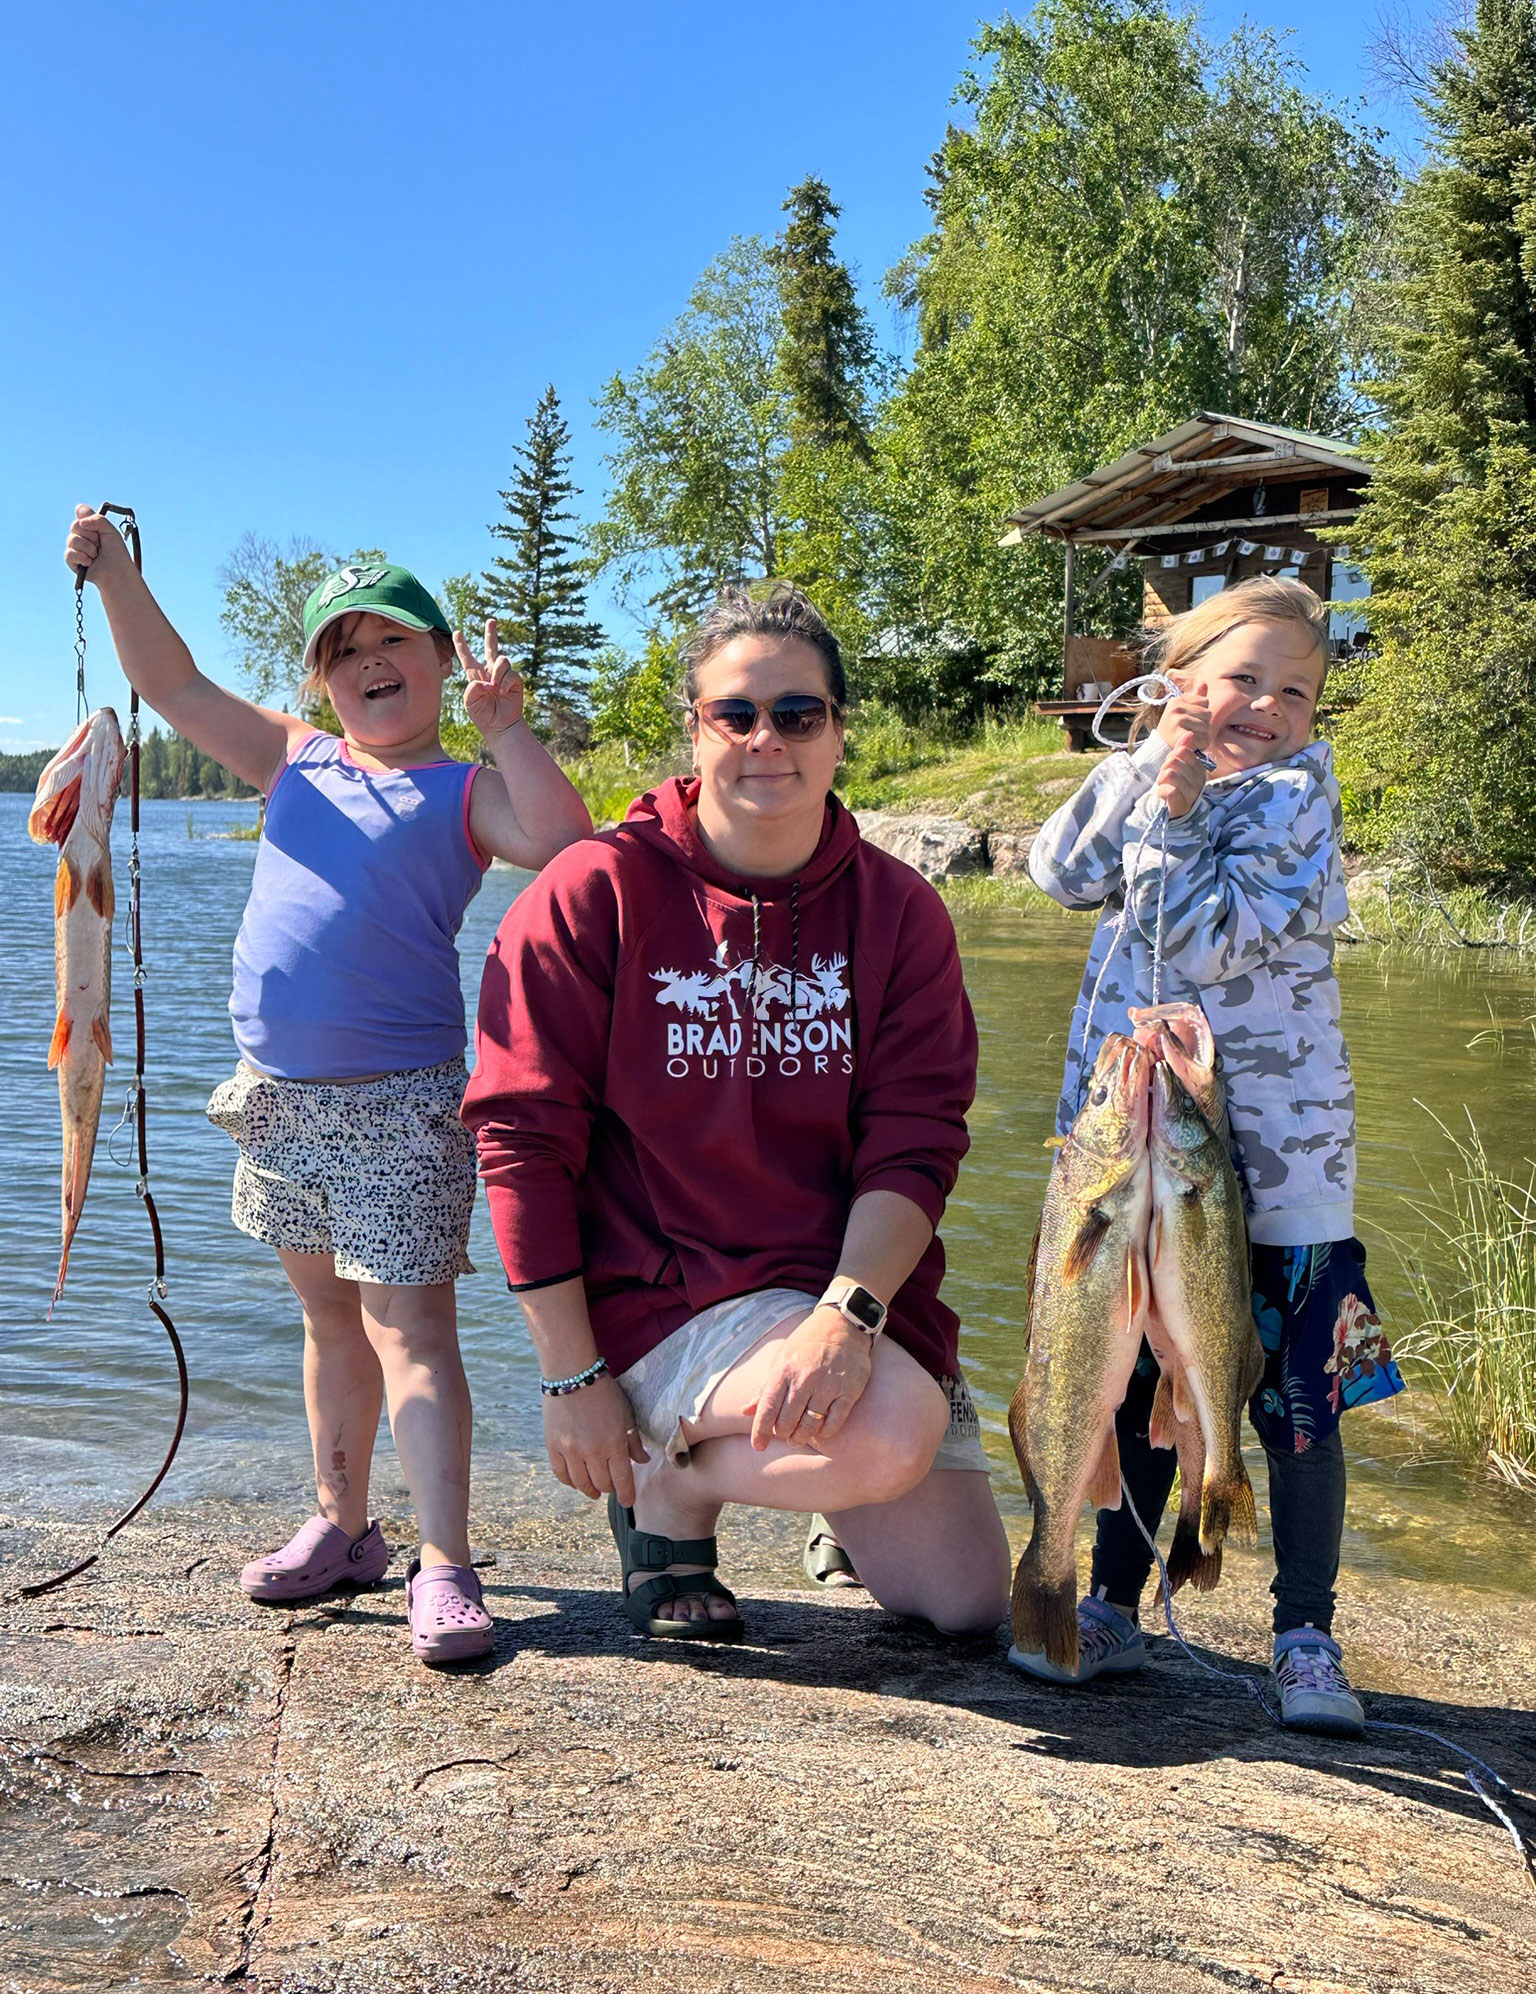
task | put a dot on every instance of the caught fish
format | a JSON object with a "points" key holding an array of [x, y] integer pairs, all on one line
{"points": [[73, 810], [1200, 1324], [1089, 1294]]}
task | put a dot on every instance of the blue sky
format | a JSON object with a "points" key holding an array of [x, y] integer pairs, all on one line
{"points": [[308, 268]]}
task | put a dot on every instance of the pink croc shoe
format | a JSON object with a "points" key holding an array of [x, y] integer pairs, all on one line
{"points": [[314, 1559], [448, 1621]]}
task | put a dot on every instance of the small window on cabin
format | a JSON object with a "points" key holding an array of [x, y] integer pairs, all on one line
{"points": [[1203, 587]]}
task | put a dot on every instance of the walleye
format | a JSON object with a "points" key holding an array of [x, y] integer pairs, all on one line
{"points": [[1201, 1323], [1088, 1298], [73, 809]]}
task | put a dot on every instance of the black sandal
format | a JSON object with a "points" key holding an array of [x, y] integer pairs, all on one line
{"points": [[642, 1551]]}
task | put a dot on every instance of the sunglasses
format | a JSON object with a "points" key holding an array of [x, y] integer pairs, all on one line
{"points": [[797, 716]]}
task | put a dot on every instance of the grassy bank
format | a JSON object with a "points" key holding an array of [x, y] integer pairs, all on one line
{"points": [[1476, 1337]]}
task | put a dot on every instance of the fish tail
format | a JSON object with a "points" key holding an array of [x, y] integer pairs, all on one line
{"points": [[1187, 1563], [1226, 1508], [1044, 1612]]}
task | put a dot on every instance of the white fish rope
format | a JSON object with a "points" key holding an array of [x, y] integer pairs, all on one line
{"points": [[1250, 1684]]}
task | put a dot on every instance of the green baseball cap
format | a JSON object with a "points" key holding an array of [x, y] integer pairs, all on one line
{"points": [[375, 586]]}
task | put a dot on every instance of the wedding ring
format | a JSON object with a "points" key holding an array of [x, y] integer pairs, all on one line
{"points": [[808, 1414]]}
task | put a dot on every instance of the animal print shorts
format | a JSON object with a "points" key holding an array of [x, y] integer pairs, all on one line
{"points": [[380, 1174]]}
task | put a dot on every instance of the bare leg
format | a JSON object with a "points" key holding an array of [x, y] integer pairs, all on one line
{"points": [[343, 1388], [939, 1553], [414, 1334], [883, 1451]]}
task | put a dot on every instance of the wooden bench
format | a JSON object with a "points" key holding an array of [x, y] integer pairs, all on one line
{"points": [[1091, 661], [1076, 717]]}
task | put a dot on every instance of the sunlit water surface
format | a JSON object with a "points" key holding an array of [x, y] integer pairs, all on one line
{"points": [[88, 1399]]}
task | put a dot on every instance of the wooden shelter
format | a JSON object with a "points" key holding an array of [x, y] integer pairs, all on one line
{"points": [[1212, 502]]}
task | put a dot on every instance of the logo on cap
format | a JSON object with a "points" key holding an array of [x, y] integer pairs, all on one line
{"points": [[345, 580]]}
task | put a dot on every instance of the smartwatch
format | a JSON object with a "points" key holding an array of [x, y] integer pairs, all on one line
{"points": [[855, 1305]]}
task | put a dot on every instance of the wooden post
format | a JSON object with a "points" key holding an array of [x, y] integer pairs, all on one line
{"points": [[1068, 613]]}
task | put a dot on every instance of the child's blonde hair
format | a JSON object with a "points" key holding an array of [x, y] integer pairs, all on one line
{"points": [[1175, 645]]}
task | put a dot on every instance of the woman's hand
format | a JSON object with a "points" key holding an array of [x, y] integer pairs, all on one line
{"points": [[95, 544], [493, 696], [593, 1441], [825, 1367]]}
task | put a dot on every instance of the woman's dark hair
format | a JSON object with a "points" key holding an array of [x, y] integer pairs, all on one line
{"points": [[782, 612]]}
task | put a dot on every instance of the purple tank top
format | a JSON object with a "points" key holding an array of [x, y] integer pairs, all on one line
{"points": [[345, 963]]}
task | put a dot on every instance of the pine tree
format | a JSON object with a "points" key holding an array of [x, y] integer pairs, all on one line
{"points": [[825, 350], [537, 588], [1441, 748]]}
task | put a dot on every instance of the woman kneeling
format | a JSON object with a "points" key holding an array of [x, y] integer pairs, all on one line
{"points": [[723, 1063]]}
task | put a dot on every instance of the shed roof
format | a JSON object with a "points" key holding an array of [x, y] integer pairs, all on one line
{"points": [[1173, 475]]}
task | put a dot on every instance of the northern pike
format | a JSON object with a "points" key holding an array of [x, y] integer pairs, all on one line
{"points": [[1088, 1298], [73, 810], [1200, 1324]]}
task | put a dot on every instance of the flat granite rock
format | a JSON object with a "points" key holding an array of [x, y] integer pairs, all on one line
{"points": [[195, 1790]]}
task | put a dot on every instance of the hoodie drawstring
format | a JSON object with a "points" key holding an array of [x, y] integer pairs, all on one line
{"points": [[794, 947]]}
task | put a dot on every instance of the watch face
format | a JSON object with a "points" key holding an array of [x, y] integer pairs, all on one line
{"points": [[864, 1309]]}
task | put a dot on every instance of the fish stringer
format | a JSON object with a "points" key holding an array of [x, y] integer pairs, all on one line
{"points": [[134, 1113]]}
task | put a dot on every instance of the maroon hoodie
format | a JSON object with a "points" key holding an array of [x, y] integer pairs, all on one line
{"points": [[684, 1078]]}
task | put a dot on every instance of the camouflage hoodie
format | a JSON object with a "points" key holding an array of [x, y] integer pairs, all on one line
{"points": [[1254, 892]]}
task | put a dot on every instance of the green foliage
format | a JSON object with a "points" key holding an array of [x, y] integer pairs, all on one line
{"points": [[699, 433], [537, 587], [1006, 773], [608, 779], [1440, 749], [636, 700], [22, 771], [1476, 1336], [1130, 226], [172, 766], [825, 348]]}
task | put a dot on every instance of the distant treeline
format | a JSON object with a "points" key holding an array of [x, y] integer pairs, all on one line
{"points": [[168, 766]]}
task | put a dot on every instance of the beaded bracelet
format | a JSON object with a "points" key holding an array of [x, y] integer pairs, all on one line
{"points": [[554, 1388]]}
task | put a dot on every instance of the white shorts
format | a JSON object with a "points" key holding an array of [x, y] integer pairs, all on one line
{"points": [[672, 1383], [379, 1174]]}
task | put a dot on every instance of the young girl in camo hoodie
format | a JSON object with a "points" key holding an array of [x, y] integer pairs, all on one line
{"points": [[1252, 896]]}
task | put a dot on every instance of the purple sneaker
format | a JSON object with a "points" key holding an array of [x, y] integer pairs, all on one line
{"points": [[314, 1559], [448, 1621]]}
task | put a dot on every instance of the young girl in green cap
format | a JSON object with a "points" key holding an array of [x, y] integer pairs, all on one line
{"points": [[353, 1163]]}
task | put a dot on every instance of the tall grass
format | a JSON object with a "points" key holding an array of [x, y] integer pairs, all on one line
{"points": [[1477, 1333], [608, 784]]}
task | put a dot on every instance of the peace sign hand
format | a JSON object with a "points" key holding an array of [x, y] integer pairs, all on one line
{"points": [[493, 695]]}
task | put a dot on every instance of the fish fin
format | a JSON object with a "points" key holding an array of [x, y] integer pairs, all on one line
{"points": [[1054, 1142], [1018, 1415], [1255, 1367], [51, 822], [1226, 1509], [1138, 1290], [66, 886], [60, 1045], [1091, 1235], [1029, 1282], [1187, 1563], [101, 1032], [1160, 1427], [1044, 1612], [1104, 1482], [98, 890], [1183, 1404]]}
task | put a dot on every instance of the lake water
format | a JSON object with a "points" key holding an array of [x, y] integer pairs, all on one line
{"points": [[88, 1399]]}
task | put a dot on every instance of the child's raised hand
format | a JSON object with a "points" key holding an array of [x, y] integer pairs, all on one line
{"points": [[1180, 780], [1185, 722], [493, 696], [95, 544]]}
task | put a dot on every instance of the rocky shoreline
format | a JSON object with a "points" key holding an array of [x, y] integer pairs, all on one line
{"points": [[198, 1791]]}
